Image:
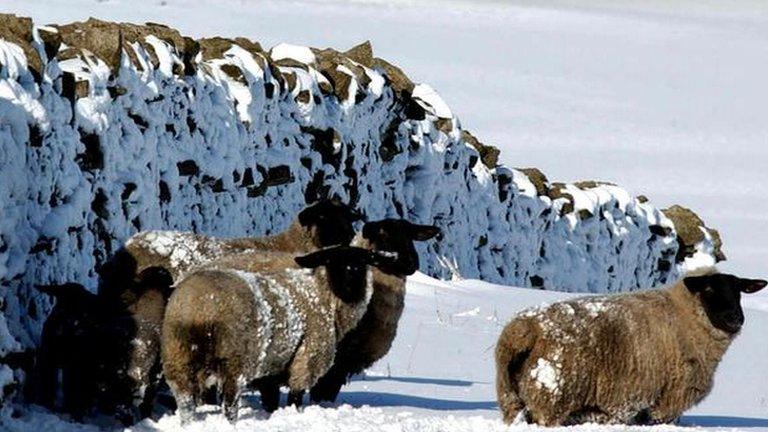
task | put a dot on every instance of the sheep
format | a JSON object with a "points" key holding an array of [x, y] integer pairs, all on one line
{"points": [[131, 345], [324, 223], [636, 358], [259, 315], [372, 338], [68, 344], [107, 351]]}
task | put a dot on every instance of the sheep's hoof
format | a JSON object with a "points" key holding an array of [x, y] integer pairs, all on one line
{"points": [[296, 398], [325, 392], [231, 414], [522, 417]]}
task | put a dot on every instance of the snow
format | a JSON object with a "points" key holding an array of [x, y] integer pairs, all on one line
{"points": [[547, 375], [439, 375], [295, 52], [663, 98]]}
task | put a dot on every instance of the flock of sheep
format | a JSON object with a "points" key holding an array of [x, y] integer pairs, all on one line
{"points": [[311, 306]]}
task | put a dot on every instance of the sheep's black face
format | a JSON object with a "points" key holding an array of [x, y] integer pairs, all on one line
{"points": [[330, 222], [396, 237], [346, 268], [720, 295]]}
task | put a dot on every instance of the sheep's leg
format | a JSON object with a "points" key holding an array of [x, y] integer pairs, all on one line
{"points": [[183, 392], [329, 385], [185, 408], [76, 387], [47, 380], [296, 398], [230, 391], [269, 389]]}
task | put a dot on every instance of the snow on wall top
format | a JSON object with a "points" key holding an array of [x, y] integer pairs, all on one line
{"points": [[107, 129]]}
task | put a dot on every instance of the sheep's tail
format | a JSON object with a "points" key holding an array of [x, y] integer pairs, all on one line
{"points": [[514, 346], [190, 358]]}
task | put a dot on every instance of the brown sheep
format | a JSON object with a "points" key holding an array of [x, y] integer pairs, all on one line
{"points": [[258, 315], [131, 345], [372, 338], [325, 223], [107, 351], [637, 358]]}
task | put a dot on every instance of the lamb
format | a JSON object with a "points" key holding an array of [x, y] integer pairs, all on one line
{"points": [[324, 223], [372, 338], [637, 358], [259, 315]]}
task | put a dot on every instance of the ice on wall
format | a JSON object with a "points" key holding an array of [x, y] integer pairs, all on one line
{"points": [[109, 129]]}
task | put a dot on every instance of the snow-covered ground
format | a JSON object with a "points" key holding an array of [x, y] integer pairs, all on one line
{"points": [[439, 374]]}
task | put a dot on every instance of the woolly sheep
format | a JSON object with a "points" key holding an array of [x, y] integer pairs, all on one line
{"points": [[325, 223], [637, 358], [131, 340], [372, 338], [259, 315], [106, 352]]}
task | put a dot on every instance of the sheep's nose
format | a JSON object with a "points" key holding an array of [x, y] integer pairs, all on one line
{"points": [[735, 318]]}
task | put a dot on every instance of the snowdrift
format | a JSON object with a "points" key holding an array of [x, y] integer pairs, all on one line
{"points": [[107, 129]]}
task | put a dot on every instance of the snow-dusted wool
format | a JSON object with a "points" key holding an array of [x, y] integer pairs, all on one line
{"points": [[258, 315], [635, 358], [108, 129]]}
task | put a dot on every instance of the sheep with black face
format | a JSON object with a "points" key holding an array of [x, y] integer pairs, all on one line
{"points": [[372, 338], [322, 224], [259, 315], [637, 358]]}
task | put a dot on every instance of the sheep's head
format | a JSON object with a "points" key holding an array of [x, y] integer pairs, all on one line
{"points": [[157, 278], [720, 295], [346, 269], [329, 222], [396, 237], [73, 296]]}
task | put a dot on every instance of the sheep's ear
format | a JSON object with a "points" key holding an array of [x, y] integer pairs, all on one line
{"points": [[422, 232], [64, 290], [155, 277], [354, 215], [750, 286], [318, 258], [696, 283]]}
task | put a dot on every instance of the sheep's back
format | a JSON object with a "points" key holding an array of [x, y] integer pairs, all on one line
{"points": [[611, 352], [218, 311]]}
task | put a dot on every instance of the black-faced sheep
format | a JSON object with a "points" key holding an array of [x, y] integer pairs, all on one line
{"points": [[259, 315], [638, 358], [372, 338], [325, 223]]}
